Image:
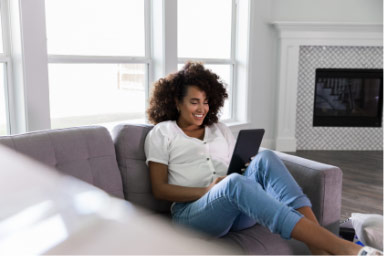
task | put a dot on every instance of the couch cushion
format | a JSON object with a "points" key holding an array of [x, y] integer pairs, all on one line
{"points": [[86, 153], [129, 143], [258, 240]]}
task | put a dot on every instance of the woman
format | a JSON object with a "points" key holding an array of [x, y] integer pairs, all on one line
{"points": [[188, 153]]}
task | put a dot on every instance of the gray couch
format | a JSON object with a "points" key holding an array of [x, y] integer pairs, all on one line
{"points": [[117, 165]]}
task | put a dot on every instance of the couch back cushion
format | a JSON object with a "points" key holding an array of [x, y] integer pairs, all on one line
{"points": [[129, 144], [86, 153]]}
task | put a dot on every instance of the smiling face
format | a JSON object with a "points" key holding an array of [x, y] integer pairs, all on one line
{"points": [[193, 108]]}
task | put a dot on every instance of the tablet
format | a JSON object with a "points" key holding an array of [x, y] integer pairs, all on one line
{"points": [[247, 145]]}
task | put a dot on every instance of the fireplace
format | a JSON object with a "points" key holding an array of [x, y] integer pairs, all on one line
{"points": [[305, 47], [348, 97]]}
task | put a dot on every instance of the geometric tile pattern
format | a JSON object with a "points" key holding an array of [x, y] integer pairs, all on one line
{"points": [[333, 138]]}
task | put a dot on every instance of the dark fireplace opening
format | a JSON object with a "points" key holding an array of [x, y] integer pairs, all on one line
{"points": [[348, 97]]}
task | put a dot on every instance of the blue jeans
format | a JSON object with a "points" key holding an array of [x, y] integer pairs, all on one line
{"points": [[266, 194]]}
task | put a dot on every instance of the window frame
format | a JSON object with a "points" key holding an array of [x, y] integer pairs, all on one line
{"points": [[5, 58]]}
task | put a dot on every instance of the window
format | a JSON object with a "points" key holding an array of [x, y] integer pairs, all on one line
{"points": [[98, 61], [102, 55], [83, 94], [209, 40], [95, 27]]}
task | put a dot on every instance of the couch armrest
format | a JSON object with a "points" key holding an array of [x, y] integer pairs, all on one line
{"points": [[322, 183]]}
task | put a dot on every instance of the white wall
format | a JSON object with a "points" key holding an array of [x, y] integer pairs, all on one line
{"points": [[263, 60], [263, 57], [364, 11]]}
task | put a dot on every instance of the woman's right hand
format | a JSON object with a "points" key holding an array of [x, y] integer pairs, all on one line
{"points": [[215, 181]]}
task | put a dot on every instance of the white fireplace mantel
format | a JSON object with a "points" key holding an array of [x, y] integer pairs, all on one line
{"points": [[292, 35]]}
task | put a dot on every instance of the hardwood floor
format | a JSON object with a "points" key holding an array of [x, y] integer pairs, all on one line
{"points": [[362, 190]]}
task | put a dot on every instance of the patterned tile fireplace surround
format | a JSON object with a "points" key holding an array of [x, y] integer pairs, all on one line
{"points": [[304, 47]]}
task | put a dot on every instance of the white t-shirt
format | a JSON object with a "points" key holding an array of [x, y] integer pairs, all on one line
{"points": [[191, 162]]}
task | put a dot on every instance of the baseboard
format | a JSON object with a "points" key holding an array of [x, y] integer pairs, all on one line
{"points": [[286, 144]]}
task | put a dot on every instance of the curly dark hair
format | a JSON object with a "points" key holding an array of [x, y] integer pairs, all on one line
{"points": [[162, 105]]}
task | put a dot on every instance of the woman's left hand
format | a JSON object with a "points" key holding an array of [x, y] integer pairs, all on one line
{"points": [[215, 181]]}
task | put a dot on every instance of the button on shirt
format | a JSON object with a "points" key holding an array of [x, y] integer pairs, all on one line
{"points": [[191, 162]]}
